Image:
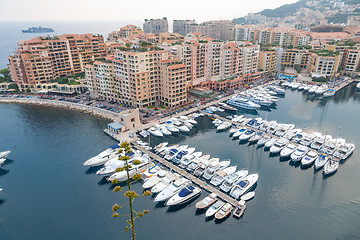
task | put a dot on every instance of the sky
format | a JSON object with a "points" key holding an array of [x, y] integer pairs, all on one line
{"points": [[134, 10]]}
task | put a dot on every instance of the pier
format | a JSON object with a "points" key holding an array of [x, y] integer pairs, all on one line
{"points": [[344, 84], [187, 175]]}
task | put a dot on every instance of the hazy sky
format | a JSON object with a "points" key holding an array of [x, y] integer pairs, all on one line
{"points": [[60, 10]]}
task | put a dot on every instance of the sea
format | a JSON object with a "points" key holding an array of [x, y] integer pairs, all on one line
{"points": [[49, 194]]}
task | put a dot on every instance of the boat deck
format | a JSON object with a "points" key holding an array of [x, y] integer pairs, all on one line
{"points": [[189, 176]]}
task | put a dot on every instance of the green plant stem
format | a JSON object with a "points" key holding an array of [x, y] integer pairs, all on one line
{"points": [[130, 202]]}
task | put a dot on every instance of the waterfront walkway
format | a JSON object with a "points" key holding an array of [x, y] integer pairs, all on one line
{"points": [[187, 175]]}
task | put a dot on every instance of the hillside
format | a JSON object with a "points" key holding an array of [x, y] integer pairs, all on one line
{"points": [[284, 10]]}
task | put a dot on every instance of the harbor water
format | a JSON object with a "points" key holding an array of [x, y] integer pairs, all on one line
{"points": [[49, 194]]}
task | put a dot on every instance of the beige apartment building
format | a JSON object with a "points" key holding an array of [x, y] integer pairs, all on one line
{"points": [[351, 60], [323, 65], [42, 59], [124, 32], [267, 60], [292, 57]]}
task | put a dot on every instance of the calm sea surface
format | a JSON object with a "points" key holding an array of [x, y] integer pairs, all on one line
{"points": [[49, 194]]}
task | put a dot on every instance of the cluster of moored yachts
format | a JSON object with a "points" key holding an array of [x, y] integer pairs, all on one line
{"points": [[290, 142], [322, 90], [3, 157], [171, 187]]}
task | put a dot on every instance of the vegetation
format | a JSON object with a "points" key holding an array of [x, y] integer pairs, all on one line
{"points": [[15, 87], [284, 10], [319, 79], [5, 75], [338, 18], [70, 80], [131, 195]]}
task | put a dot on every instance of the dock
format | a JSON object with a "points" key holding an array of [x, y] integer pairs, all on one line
{"points": [[187, 175], [344, 84]]}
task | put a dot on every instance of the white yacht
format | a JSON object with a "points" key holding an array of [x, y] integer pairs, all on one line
{"points": [[122, 176], [299, 153], [330, 167], [179, 156], [244, 185], [320, 141], [309, 158], [283, 129], [306, 88], [344, 151], [320, 161], [207, 201], [166, 181], [210, 171], [263, 140], [172, 128], [291, 133], [187, 159], [239, 133], [247, 135], [278, 145], [172, 189], [288, 150], [158, 177], [2, 161], [4, 154], [186, 194], [321, 90], [329, 93], [103, 157], [224, 211], [231, 179], [243, 103], [202, 165], [271, 142], [111, 166], [163, 130], [256, 137], [223, 126], [313, 89], [331, 145], [220, 176], [214, 208], [307, 139], [183, 128], [155, 132]]}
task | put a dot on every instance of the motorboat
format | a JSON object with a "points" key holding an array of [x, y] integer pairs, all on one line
{"points": [[183, 128], [186, 194], [213, 168], [177, 159], [231, 180], [220, 176], [158, 177], [239, 209], [306, 88], [155, 132], [271, 142], [301, 87], [320, 141], [217, 122], [187, 159], [5, 154], [283, 129], [174, 151], [166, 181], [288, 150], [103, 157], [239, 133], [309, 158], [122, 175], [321, 90], [2, 161], [207, 201], [224, 211], [297, 138], [299, 153], [172, 189], [273, 127], [238, 118], [313, 89], [160, 146], [278, 145], [188, 125], [172, 128], [223, 126], [320, 161], [143, 133], [163, 130], [329, 93], [247, 196], [344, 151], [203, 165], [243, 103], [256, 137], [331, 145], [263, 140], [247, 135], [244, 185], [214, 208], [150, 172], [330, 167], [226, 107], [175, 121], [295, 86], [307, 139], [292, 133], [192, 121], [112, 165]]}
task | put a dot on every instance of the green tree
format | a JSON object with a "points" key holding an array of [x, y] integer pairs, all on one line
{"points": [[131, 195]]}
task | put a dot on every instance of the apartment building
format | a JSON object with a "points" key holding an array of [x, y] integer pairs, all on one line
{"points": [[267, 60], [351, 60], [176, 37], [292, 57], [216, 29], [42, 59], [323, 64], [156, 25], [124, 32], [182, 27]]}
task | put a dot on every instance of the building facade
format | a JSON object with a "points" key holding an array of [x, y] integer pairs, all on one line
{"points": [[156, 25], [182, 26]]}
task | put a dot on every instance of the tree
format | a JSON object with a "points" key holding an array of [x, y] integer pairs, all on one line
{"points": [[132, 195]]}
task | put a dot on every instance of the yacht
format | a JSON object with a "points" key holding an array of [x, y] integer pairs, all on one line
{"points": [[320, 141], [174, 151], [297, 138], [166, 181], [247, 135], [295, 86], [309, 158], [223, 126], [240, 209], [344, 151], [203, 165], [103, 157], [160, 146], [307, 139], [243, 103], [188, 125], [122, 176], [150, 172], [112, 165], [224, 211], [283, 129], [271, 142], [306, 88], [211, 170], [256, 137], [263, 140], [313, 89], [214, 208], [320, 161], [292, 133], [220, 176], [239, 133], [2, 161], [163, 130], [321, 90], [177, 159], [331, 145], [288, 150], [183, 128], [273, 127], [278, 145], [5, 154], [330, 167], [329, 93], [299, 153], [187, 159], [207, 201], [244, 185], [158, 177], [155, 132], [172, 128], [186, 194], [231, 179], [172, 189]]}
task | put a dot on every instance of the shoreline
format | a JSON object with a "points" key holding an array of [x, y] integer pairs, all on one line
{"points": [[97, 112]]}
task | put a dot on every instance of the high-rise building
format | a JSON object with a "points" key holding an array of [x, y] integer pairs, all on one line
{"points": [[218, 30], [323, 64], [124, 32], [43, 59], [156, 25], [267, 60], [182, 26]]}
